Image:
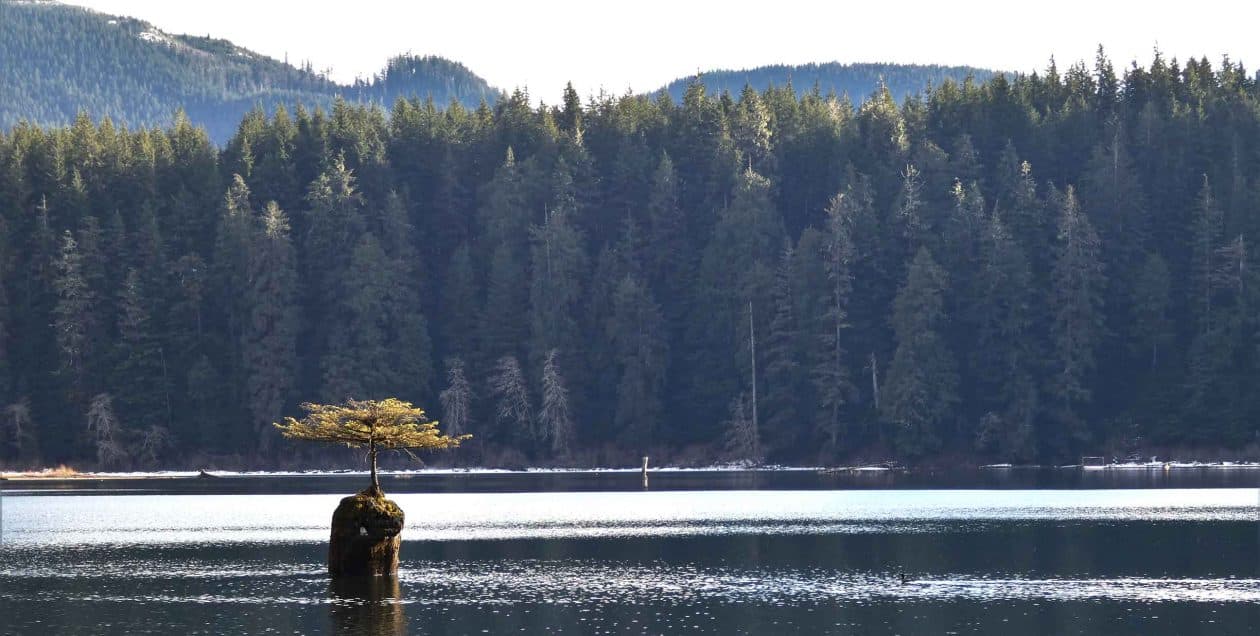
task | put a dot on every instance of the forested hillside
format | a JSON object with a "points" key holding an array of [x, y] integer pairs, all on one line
{"points": [[58, 60], [854, 80], [1023, 269]]}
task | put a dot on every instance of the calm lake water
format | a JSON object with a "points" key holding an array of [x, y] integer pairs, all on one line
{"points": [[983, 552]]}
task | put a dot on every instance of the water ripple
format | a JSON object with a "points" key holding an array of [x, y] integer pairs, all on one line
{"points": [[584, 582]]}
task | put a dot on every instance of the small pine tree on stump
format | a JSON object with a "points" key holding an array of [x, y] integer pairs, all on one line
{"points": [[391, 425]]}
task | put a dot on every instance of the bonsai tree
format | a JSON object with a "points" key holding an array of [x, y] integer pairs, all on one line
{"points": [[389, 424]]}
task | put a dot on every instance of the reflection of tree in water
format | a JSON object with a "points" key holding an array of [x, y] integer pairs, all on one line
{"points": [[368, 605]]}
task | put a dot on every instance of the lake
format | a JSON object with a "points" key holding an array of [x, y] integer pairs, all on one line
{"points": [[792, 552]]}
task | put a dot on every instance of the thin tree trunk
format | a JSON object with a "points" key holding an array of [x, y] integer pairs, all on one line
{"points": [[376, 484], [875, 380], [752, 346]]}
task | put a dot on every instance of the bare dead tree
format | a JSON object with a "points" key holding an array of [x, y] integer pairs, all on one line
{"points": [[556, 421], [103, 426], [512, 398], [456, 399]]}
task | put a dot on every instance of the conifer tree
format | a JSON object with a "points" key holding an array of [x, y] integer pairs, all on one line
{"points": [[357, 358], [203, 428], [1029, 223], [910, 214], [501, 328], [1076, 327], [459, 305], [669, 253], [782, 358], [637, 330], [1004, 356], [1112, 192], [503, 213], [558, 262], [95, 266], [231, 254], [1205, 236], [1151, 298], [570, 119], [750, 129], [141, 377], [881, 133], [407, 327], [736, 267], [73, 315], [921, 389], [829, 372], [270, 337], [330, 232]]}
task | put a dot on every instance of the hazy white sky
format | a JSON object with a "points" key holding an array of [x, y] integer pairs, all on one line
{"points": [[642, 44]]}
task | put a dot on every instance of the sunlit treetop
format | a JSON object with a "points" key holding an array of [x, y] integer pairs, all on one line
{"points": [[389, 424]]}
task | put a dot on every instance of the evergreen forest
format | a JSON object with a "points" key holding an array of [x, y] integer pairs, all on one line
{"points": [[1024, 269], [857, 80]]}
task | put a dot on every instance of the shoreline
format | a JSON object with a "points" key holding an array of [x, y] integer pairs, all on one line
{"points": [[63, 475]]}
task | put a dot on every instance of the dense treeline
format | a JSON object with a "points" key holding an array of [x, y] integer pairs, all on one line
{"points": [[1023, 269], [58, 60], [856, 80]]}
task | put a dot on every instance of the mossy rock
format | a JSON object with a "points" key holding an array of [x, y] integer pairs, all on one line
{"points": [[366, 536]]}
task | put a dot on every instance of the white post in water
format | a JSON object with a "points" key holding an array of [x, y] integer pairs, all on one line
{"points": [[645, 476]]}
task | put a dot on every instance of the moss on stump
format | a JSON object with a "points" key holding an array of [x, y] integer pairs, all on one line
{"points": [[366, 531]]}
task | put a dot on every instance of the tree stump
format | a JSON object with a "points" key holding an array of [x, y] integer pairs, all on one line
{"points": [[366, 531]]}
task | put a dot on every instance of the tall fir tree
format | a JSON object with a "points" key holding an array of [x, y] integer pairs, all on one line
{"points": [[558, 263], [782, 358], [1076, 303], [74, 316], [141, 378], [921, 388], [828, 356], [637, 329], [501, 330], [269, 341], [1004, 357], [458, 327], [356, 362]]}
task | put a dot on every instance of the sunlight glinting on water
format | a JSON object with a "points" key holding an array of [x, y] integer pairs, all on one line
{"points": [[567, 581], [179, 519]]}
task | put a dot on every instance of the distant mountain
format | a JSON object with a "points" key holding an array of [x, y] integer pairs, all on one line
{"points": [[57, 60], [856, 80]]}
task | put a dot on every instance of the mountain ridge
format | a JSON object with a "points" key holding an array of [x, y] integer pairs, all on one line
{"points": [[60, 60]]}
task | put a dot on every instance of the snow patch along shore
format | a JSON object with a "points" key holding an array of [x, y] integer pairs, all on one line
{"points": [[1151, 465], [174, 474]]}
